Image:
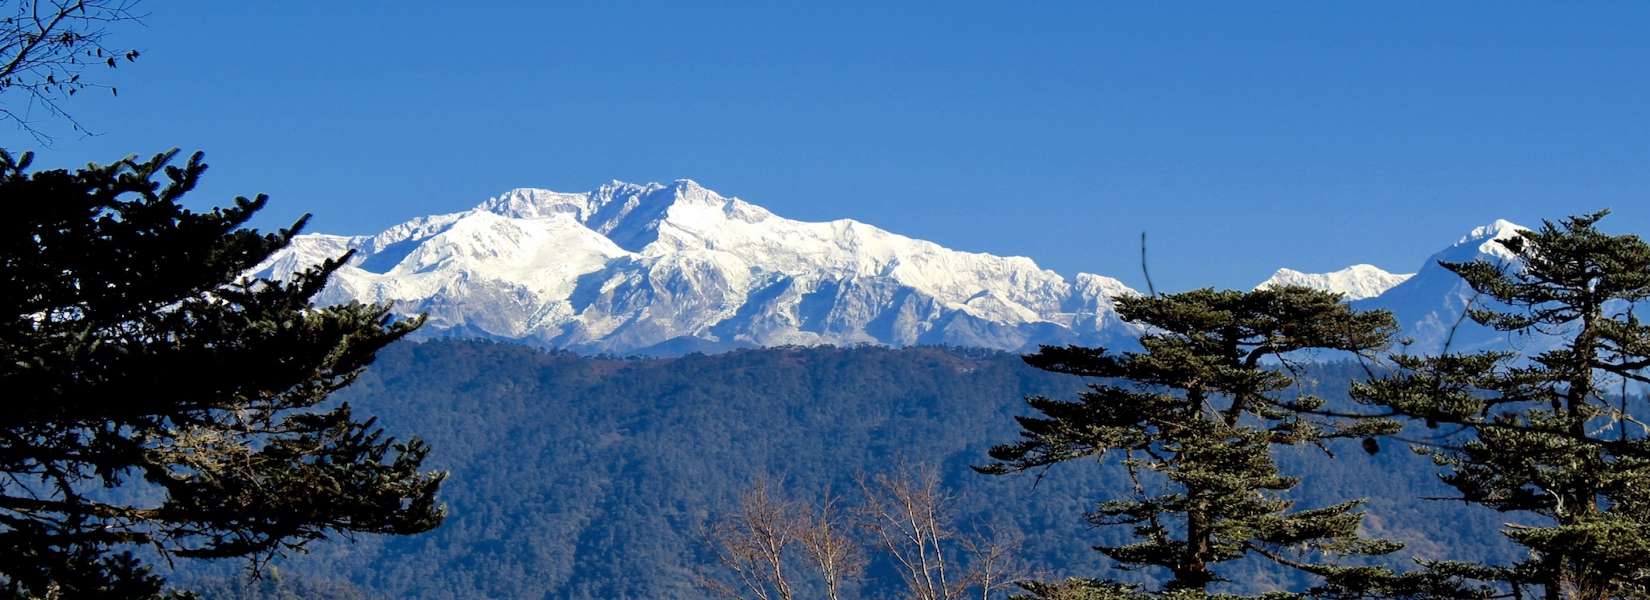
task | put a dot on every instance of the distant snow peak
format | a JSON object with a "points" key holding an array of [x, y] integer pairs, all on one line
{"points": [[1430, 306], [1485, 238], [1500, 229], [678, 267], [1356, 282]]}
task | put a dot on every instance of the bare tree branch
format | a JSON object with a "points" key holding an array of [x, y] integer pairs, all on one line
{"points": [[46, 47]]}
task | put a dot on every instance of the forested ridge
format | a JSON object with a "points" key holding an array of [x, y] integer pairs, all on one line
{"points": [[581, 477]]}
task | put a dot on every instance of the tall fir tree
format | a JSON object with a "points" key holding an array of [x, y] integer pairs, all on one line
{"points": [[1192, 421], [158, 400], [1553, 437]]}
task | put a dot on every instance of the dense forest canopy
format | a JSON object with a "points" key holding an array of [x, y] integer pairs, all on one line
{"points": [[584, 477]]}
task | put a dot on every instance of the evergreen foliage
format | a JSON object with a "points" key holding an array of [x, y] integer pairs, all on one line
{"points": [[1192, 421], [1549, 437], [158, 402]]}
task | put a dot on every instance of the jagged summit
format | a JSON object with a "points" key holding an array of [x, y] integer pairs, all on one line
{"points": [[676, 267], [1353, 283]]}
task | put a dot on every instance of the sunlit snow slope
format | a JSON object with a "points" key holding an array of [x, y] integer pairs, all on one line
{"points": [[675, 268], [678, 268], [1352, 283]]}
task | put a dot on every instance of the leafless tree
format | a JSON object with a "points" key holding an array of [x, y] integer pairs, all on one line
{"points": [[46, 46], [993, 563], [826, 538], [905, 514], [908, 514], [751, 544]]}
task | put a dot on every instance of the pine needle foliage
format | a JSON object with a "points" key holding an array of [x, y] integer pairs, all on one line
{"points": [[1192, 420], [156, 399], [1551, 437]]}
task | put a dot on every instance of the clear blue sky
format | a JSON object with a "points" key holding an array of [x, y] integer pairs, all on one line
{"points": [[1242, 136]]}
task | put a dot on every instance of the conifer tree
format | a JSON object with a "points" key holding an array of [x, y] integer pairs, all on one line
{"points": [[1550, 437], [155, 399], [1192, 420]]}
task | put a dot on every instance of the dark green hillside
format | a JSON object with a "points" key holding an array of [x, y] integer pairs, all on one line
{"points": [[576, 477]]}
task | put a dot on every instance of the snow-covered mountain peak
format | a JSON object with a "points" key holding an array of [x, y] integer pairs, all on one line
{"points": [[1431, 306], [1353, 283], [1501, 228], [678, 267], [1482, 239], [629, 214], [1101, 286], [533, 203]]}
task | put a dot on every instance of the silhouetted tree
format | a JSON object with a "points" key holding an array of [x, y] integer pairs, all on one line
{"points": [[1191, 422], [157, 399]]}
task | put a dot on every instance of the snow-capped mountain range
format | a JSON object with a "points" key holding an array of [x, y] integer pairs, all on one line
{"points": [[677, 267], [671, 268], [1354, 283]]}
